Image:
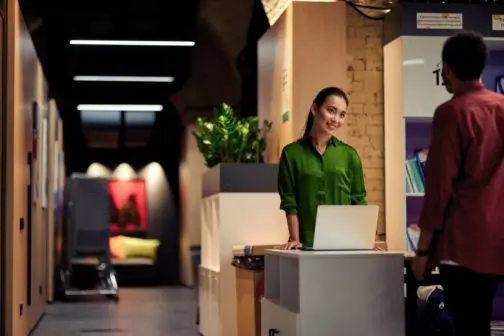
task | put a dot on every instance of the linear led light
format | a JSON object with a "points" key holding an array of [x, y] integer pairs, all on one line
{"points": [[415, 61], [133, 43], [145, 79], [111, 107]]}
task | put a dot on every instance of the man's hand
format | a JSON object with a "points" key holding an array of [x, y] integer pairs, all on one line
{"points": [[294, 244], [419, 267]]}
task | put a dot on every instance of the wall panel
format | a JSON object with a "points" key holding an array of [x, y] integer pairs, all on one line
{"points": [[25, 85], [274, 83], [303, 52], [49, 214]]}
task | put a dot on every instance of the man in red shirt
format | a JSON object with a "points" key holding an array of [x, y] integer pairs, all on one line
{"points": [[462, 218]]}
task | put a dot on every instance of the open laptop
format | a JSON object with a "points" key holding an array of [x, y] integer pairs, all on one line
{"points": [[345, 227]]}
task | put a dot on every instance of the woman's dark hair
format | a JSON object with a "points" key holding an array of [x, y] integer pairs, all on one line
{"points": [[319, 101]]}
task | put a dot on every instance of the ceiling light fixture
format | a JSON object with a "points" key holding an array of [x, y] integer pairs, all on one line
{"points": [[145, 79], [133, 43], [126, 108]]}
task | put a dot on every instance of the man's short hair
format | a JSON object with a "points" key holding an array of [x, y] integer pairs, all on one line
{"points": [[466, 55]]}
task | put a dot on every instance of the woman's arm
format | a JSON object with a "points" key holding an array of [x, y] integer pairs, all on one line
{"points": [[293, 224], [286, 189], [357, 188]]}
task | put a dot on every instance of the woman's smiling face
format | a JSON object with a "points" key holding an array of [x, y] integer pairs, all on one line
{"points": [[330, 116]]}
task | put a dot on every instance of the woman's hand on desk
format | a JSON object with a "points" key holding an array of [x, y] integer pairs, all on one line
{"points": [[294, 244]]}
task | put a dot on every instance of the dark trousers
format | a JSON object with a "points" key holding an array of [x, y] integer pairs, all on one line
{"points": [[469, 299]]}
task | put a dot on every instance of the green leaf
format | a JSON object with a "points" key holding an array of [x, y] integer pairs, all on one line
{"points": [[224, 137]]}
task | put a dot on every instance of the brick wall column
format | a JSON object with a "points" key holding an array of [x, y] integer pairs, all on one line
{"points": [[365, 125]]}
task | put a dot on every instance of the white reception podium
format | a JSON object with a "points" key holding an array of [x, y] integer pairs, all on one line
{"points": [[240, 206], [348, 293]]}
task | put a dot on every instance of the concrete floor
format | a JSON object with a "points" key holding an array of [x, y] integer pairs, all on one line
{"points": [[140, 312]]}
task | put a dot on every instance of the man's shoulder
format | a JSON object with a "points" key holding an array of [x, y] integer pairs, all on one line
{"points": [[448, 106], [453, 106], [481, 98]]}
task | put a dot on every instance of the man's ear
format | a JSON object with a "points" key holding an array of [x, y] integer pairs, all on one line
{"points": [[446, 69]]}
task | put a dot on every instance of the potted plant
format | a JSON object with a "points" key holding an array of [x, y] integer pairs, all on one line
{"points": [[233, 148]]}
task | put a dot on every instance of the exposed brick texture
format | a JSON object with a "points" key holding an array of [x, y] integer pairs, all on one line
{"points": [[365, 121]]}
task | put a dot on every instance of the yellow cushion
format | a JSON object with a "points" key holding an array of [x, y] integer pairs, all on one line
{"points": [[129, 247], [117, 247]]}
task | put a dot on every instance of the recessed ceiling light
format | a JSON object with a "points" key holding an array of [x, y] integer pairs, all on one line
{"points": [[111, 107], [133, 43], [123, 79]]}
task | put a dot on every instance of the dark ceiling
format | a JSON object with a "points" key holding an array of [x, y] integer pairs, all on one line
{"points": [[135, 137], [113, 135]]}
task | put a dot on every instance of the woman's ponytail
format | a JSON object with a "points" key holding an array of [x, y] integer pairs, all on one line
{"points": [[309, 124]]}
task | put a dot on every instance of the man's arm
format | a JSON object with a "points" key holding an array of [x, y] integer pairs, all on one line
{"points": [[442, 167]]}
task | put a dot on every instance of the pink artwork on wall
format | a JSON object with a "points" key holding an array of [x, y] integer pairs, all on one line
{"points": [[128, 205]]}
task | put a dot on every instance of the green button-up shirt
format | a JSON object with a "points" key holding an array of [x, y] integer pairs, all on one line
{"points": [[307, 179]]}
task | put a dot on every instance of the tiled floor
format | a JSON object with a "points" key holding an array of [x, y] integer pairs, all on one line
{"points": [[140, 312]]}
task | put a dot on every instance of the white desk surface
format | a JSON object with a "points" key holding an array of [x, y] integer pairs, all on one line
{"points": [[321, 254]]}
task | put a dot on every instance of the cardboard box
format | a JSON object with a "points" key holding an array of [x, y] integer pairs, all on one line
{"points": [[249, 290]]}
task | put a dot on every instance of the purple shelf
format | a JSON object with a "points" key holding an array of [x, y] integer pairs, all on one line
{"points": [[417, 136], [413, 207], [494, 69]]}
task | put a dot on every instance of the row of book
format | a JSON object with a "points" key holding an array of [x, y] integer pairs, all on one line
{"points": [[415, 185], [415, 172]]}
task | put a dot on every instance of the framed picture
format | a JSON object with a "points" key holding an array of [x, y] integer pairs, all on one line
{"points": [[128, 206]]}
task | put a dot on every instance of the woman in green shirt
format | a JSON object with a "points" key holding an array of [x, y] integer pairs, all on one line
{"points": [[319, 169]]}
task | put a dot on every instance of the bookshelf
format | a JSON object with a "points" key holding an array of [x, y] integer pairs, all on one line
{"points": [[412, 91], [417, 138]]}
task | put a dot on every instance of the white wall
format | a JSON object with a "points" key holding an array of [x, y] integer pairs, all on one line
{"points": [[25, 85]]}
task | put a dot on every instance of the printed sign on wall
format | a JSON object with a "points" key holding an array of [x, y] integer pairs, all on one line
{"points": [[497, 22], [440, 21]]}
